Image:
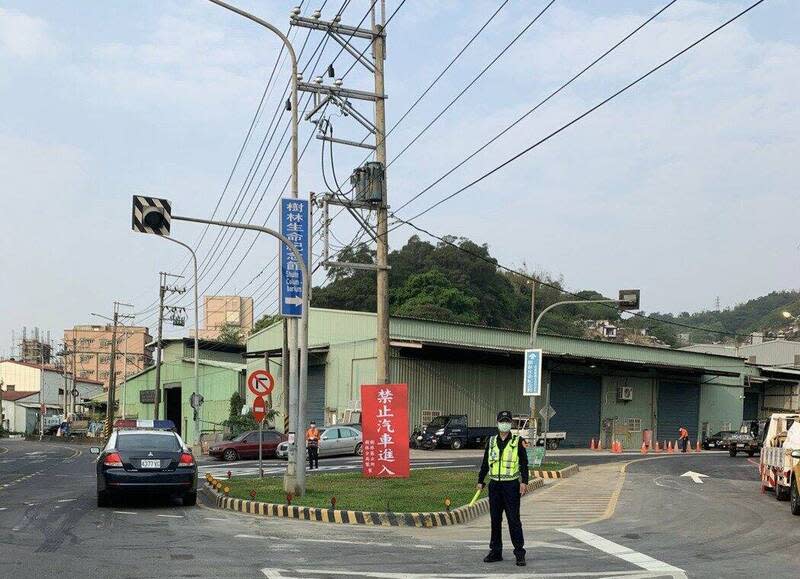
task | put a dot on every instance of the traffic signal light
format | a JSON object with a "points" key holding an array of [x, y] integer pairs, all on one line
{"points": [[151, 215]]}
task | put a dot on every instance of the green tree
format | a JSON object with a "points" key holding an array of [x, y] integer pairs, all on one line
{"points": [[432, 295], [238, 422], [230, 334]]}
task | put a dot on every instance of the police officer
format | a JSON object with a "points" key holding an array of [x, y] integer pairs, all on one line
{"points": [[506, 463]]}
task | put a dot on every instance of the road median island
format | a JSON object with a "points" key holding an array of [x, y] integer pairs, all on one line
{"points": [[418, 501]]}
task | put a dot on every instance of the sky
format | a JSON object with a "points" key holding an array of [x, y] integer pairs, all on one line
{"points": [[684, 186]]}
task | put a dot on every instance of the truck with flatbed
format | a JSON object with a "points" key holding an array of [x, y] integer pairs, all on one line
{"points": [[779, 464], [521, 426], [452, 431]]}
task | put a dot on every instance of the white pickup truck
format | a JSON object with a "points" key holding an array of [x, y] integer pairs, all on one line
{"points": [[520, 427], [780, 457]]}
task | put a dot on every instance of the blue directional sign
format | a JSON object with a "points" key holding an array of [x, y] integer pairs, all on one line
{"points": [[296, 227], [532, 385]]}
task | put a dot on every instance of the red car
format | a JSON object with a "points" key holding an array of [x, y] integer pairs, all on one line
{"points": [[246, 446]]}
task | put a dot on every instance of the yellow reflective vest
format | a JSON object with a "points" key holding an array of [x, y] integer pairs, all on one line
{"points": [[505, 467]]}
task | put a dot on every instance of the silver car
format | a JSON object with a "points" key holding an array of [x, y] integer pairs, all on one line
{"points": [[333, 441]]}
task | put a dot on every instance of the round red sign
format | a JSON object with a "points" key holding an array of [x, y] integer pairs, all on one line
{"points": [[259, 409], [260, 382]]}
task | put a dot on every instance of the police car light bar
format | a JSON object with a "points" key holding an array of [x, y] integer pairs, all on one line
{"points": [[152, 424]]}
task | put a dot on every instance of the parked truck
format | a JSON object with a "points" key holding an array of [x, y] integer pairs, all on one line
{"points": [[780, 458], [520, 427], [453, 431]]}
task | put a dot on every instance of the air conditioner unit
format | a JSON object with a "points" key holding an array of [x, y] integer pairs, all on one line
{"points": [[625, 393]]}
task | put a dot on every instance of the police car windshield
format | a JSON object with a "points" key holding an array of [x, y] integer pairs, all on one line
{"points": [[134, 441]]}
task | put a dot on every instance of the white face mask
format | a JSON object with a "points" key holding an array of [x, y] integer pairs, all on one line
{"points": [[504, 426]]}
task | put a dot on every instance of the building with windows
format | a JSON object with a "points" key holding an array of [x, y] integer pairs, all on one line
{"points": [[22, 402], [598, 389], [89, 348], [219, 311]]}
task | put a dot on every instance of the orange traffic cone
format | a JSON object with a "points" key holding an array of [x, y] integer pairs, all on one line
{"points": [[599, 444], [697, 447], [658, 448], [670, 450], [619, 447], [613, 446], [592, 445], [644, 448]]}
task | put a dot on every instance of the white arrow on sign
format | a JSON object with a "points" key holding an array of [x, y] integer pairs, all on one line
{"points": [[294, 301], [695, 476]]}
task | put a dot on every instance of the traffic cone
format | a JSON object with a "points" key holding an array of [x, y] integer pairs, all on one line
{"points": [[670, 450], [658, 448], [613, 446], [592, 445], [599, 444], [697, 448], [619, 447]]}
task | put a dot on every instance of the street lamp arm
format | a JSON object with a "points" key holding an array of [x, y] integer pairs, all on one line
{"points": [[564, 303], [263, 23]]}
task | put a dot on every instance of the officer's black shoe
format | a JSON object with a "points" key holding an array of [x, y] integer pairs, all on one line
{"points": [[521, 561], [492, 557]]}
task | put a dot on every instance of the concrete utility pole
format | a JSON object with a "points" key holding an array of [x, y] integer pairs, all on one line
{"points": [[74, 368], [382, 250], [41, 393], [532, 420], [162, 277], [112, 374]]}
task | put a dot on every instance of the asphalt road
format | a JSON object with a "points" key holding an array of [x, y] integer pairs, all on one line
{"points": [[665, 525]]}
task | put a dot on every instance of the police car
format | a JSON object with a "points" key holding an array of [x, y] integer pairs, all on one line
{"points": [[145, 456]]}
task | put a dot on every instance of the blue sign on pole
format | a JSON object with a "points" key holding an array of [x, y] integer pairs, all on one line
{"points": [[296, 227], [533, 373]]}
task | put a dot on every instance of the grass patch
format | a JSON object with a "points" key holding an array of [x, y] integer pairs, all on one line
{"points": [[425, 490]]}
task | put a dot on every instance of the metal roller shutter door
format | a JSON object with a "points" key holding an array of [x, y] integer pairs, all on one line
{"points": [[678, 405], [750, 410], [315, 396], [576, 400]]}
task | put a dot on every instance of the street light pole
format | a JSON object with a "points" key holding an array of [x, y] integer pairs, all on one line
{"points": [[296, 407], [534, 333]]}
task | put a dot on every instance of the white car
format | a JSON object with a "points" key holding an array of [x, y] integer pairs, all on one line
{"points": [[333, 441]]}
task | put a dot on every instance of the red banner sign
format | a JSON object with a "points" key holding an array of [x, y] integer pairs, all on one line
{"points": [[384, 423]]}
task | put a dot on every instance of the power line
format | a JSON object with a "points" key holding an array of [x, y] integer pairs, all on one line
{"points": [[589, 111], [536, 107], [472, 82]]}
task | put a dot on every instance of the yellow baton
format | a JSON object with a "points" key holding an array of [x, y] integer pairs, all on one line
{"points": [[475, 498]]}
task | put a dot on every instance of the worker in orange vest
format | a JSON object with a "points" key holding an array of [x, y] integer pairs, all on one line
{"points": [[683, 436], [312, 443]]}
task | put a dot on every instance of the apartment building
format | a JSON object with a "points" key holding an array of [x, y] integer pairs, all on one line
{"points": [[231, 310], [92, 351]]}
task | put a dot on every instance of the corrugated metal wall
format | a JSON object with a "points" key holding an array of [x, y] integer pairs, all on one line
{"points": [[678, 405], [576, 400], [315, 400], [475, 389], [626, 413]]}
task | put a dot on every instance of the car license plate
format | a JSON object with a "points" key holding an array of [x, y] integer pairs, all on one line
{"points": [[712, 444], [151, 463], [740, 445]]}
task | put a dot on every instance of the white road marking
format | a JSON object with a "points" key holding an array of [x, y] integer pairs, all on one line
{"points": [[539, 544], [346, 542], [171, 516], [214, 519], [3, 508], [248, 537], [125, 513], [423, 546], [66, 500], [275, 573], [695, 476], [639, 559]]}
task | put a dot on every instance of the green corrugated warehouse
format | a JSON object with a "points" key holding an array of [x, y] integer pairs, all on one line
{"points": [[221, 371], [597, 388]]}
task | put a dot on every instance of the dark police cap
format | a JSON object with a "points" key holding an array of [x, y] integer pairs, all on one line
{"points": [[504, 416]]}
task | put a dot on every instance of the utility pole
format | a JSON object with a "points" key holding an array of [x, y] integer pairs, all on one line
{"points": [[532, 421], [369, 180], [112, 381], [382, 253], [163, 288], [74, 368]]}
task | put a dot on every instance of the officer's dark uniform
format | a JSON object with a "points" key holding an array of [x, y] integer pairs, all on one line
{"points": [[504, 497]]}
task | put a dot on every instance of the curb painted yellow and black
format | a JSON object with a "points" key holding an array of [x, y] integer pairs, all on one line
{"points": [[550, 474], [385, 519]]}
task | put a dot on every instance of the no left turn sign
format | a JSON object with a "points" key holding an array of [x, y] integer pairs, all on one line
{"points": [[260, 382]]}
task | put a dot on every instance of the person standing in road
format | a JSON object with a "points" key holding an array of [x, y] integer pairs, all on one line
{"points": [[683, 437], [506, 462], [312, 442]]}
